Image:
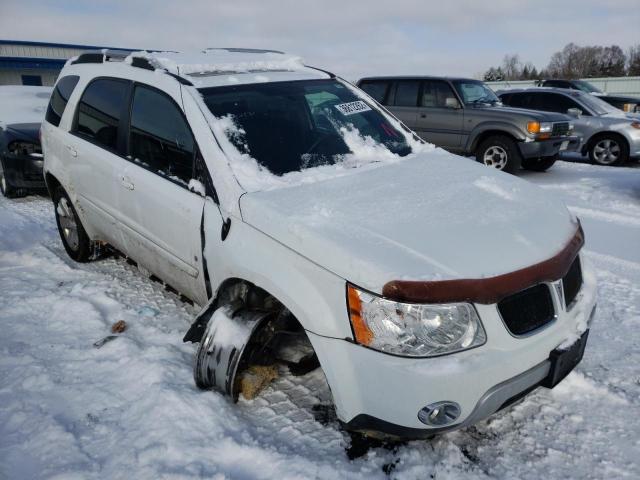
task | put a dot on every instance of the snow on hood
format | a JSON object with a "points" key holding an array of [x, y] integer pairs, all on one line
{"points": [[20, 104], [427, 218]]}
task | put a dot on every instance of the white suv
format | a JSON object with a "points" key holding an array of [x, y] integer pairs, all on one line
{"points": [[289, 204]]}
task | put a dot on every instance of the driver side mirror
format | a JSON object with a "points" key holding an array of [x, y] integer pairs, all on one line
{"points": [[574, 112], [451, 102]]}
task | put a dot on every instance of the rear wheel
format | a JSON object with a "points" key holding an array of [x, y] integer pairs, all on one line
{"points": [[608, 150], [73, 235], [6, 188], [500, 152], [538, 164]]}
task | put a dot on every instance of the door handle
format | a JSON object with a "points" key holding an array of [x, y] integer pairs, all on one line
{"points": [[127, 183], [72, 151]]}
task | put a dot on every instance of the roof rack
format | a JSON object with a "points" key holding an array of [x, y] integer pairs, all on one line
{"points": [[112, 55]]}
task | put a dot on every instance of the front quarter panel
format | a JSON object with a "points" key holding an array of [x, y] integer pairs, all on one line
{"points": [[315, 296]]}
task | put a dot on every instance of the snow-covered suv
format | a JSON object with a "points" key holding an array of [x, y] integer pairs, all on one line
{"points": [[430, 290]]}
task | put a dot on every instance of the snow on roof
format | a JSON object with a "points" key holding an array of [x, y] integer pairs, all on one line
{"points": [[20, 104], [229, 65]]}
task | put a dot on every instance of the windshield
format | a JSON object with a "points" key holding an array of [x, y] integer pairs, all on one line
{"points": [[586, 86], [599, 106], [290, 126], [475, 92]]}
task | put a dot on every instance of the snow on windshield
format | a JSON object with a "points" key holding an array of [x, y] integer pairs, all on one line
{"points": [[20, 104], [362, 151]]}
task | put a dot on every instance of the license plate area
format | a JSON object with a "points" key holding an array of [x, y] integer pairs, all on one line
{"points": [[564, 145], [563, 361]]}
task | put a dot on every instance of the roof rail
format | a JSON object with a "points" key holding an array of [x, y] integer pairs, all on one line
{"points": [[119, 56]]}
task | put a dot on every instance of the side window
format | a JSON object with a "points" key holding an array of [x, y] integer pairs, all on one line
{"points": [[553, 102], [407, 93], [159, 137], [438, 94], [59, 98], [99, 111], [377, 89], [518, 100]]}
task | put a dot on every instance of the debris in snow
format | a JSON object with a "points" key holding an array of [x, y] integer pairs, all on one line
{"points": [[119, 327], [147, 311], [256, 378], [100, 343]]}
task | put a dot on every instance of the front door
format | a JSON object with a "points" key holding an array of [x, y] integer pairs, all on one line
{"points": [[162, 218], [440, 116], [403, 101]]}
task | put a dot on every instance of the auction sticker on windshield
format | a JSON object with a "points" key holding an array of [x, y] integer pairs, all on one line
{"points": [[353, 107]]}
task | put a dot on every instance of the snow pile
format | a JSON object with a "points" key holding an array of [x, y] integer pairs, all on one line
{"points": [[20, 104], [220, 61]]}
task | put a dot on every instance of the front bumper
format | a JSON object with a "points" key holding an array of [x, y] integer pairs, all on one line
{"points": [[24, 171], [378, 392], [548, 148]]}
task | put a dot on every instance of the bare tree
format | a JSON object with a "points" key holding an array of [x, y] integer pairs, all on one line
{"points": [[633, 59], [511, 67]]}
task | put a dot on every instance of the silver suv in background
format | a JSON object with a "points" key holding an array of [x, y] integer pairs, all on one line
{"points": [[609, 136], [464, 116]]}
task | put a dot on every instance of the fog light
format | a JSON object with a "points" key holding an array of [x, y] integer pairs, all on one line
{"points": [[439, 414]]}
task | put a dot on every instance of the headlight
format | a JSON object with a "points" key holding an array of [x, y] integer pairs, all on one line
{"points": [[413, 330], [546, 127], [24, 148]]}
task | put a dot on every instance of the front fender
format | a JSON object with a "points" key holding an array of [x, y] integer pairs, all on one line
{"points": [[495, 127]]}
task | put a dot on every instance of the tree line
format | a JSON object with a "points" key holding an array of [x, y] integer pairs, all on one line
{"points": [[573, 61]]}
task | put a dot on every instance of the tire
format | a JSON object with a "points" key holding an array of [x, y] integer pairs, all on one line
{"points": [[500, 152], [608, 150], [538, 164], [6, 188], [73, 235]]}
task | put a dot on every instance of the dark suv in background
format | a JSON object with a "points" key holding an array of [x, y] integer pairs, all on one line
{"points": [[464, 116]]}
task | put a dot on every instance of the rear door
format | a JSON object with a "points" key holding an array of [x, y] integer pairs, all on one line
{"points": [[161, 216], [440, 118], [95, 154]]}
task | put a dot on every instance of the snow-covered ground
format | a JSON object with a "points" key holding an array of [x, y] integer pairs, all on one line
{"points": [[131, 410]]}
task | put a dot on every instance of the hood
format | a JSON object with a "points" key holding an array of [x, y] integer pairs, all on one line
{"points": [[431, 217], [23, 131], [523, 112]]}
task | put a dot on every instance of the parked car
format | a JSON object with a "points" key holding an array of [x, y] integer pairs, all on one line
{"points": [[626, 103], [609, 136], [21, 112], [465, 116], [285, 202]]}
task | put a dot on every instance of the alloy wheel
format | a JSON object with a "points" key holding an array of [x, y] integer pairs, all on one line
{"points": [[496, 157], [68, 223], [606, 151]]}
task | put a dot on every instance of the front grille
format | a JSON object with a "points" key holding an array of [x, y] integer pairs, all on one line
{"points": [[560, 129], [572, 282], [527, 310]]}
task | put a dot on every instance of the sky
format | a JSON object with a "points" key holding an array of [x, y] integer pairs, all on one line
{"points": [[352, 39]]}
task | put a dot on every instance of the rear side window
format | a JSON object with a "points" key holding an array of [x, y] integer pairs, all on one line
{"points": [[552, 102], [59, 98], [518, 100], [100, 110], [407, 93], [160, 138], [377, 89], [435, 94]]}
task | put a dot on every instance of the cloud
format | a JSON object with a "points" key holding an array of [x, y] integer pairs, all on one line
{"points": [[351, 38]]}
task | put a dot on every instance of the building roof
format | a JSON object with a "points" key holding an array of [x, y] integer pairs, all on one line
{"points": [[60, 45]]}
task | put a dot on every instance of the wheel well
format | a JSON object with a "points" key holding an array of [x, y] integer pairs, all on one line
{"points": [[600, 135], [51, 182], [486, 134]]}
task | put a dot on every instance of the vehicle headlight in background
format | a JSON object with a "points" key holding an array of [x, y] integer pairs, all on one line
{"points": [[413, 330], [25, 148]]}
